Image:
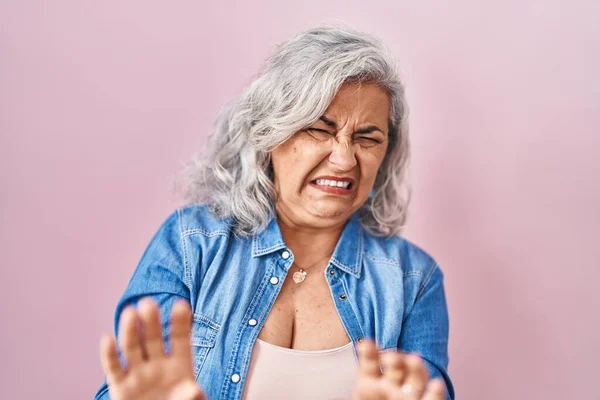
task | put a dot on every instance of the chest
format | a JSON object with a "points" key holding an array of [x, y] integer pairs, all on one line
{"points": [[304, 316]]}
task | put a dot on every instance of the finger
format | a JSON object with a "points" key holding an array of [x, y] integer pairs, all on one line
{"points": [[436, 390], [129, 338], [416, 376], [181, 326], [394, 369], [369, 388], [187, 390], [109, 357], [368, 359], [152, 340]]}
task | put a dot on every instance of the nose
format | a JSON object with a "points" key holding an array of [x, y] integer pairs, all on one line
{"points": [[343, 155]]}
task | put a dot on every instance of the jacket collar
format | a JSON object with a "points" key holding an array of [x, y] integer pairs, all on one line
{"points": [[347, 255]]}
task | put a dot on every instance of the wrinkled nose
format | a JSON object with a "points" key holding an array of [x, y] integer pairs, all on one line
{"points": [[343, 155]]}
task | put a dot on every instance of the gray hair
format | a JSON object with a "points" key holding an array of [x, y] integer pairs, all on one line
{"points": [[234, 176]]}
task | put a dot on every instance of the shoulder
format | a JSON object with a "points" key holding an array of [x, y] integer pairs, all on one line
{"points": [[396, 250], [199, 219]]}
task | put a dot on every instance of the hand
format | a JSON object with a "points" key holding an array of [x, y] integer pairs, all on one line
{"points": [[151, 374], [404, 376]]}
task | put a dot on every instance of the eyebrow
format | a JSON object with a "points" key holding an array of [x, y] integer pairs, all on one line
{"points": [[328, 122], [366, 129]]}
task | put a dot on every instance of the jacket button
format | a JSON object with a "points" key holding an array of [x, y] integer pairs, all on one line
{"points": [[252, 322], [235, 378], [274, 280], [342, 296], [332, 272], [285, 255]]}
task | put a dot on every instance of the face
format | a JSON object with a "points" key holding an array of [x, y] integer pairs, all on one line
{"points": [[324, 173]]}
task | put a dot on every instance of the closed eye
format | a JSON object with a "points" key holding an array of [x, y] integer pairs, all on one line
{"points": [[319, 134], [318, 130], [369, 139]]}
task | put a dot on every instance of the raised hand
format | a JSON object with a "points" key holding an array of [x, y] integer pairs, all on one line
{"points": [[151, 374], [404, 376]]}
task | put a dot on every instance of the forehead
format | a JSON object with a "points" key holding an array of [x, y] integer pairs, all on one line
{"points": [[362, 102]]}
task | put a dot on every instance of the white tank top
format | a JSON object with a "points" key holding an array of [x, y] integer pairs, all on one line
{"points": [[279, 373]]}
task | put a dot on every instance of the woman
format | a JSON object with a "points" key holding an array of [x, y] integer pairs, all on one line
{"points": [[286, 257]]}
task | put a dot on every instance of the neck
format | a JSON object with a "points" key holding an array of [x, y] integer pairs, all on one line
{"points": [[308, 244]]}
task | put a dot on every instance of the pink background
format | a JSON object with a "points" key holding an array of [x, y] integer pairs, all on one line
{"points": [[101, 102]]}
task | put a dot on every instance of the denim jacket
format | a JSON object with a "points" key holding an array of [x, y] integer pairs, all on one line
{"points": [[386, 289]]}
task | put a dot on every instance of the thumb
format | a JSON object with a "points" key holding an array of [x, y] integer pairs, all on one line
{"points": [[436, 390]]}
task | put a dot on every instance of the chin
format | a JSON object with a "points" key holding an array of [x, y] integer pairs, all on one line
{"points": [[331, 212]]}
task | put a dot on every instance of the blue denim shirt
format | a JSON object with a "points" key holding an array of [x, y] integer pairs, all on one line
{"points": [[386, 289]]}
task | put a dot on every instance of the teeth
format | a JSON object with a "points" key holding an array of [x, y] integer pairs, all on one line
{"points": [[332, 183]]}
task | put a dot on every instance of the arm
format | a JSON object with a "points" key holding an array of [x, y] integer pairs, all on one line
{"points": [[425, 328], [160, 274]]}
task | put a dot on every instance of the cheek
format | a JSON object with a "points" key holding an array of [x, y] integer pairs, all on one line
{"points": [[370, 163], [291, 169], [301, 161], [369, 167]]}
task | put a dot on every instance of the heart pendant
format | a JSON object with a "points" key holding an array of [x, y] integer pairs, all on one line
{"points": [[299, 276]]}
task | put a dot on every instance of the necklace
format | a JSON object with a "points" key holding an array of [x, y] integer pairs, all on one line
{"points": [[300, 276]]}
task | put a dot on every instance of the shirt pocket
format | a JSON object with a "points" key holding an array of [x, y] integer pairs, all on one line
{"points": [[202, 339]]}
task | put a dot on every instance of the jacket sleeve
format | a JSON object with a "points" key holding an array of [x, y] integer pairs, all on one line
{"points": [[161, 274], [425, 328]]}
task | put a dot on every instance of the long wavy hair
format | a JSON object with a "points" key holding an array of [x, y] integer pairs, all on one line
{"points": [[234, 175]]}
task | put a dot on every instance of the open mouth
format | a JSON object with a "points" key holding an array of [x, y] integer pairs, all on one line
{"points": [[333, 183], [343, 184]]}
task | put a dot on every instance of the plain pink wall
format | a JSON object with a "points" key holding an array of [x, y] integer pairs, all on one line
{"points": [[101, 102]]}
